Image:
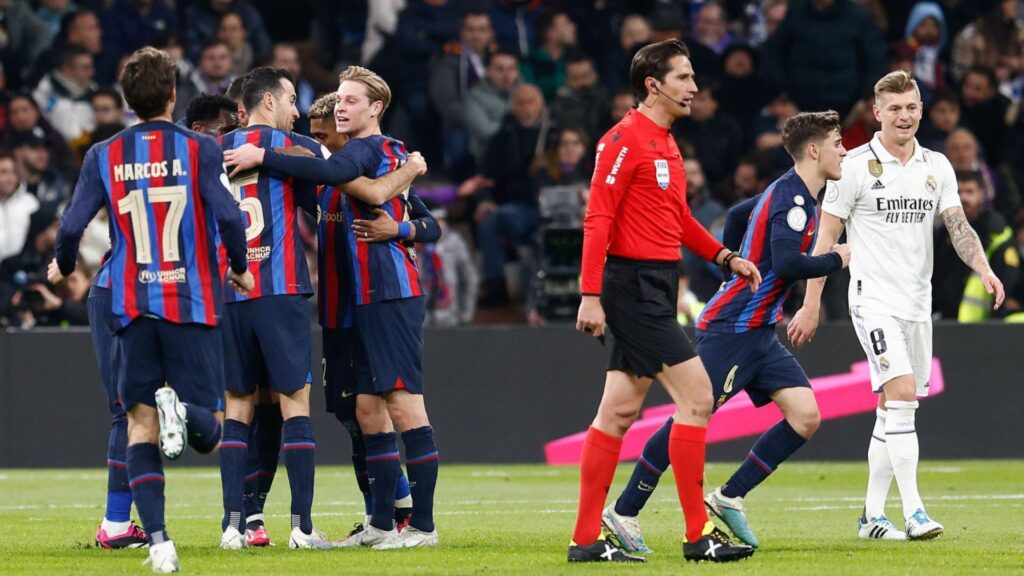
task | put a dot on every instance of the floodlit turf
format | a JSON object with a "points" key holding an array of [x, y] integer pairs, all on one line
{"points": [[517, 520]]}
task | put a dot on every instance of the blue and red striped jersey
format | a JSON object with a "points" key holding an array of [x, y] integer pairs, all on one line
{"points": [[102, 277], [385, 270], [269, 200], [784, 217], [166, 192], [336, 289]]}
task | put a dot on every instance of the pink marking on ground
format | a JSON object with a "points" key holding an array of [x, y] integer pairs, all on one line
{"points": [[838, 395]]}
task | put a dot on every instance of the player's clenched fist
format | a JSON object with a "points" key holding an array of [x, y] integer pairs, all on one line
{"points": [[590, 318], [844, 252]]}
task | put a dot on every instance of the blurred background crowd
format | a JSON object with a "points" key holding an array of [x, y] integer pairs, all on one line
{"points": [[506, 99]]}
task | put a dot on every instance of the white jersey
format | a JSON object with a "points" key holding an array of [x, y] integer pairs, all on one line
{"points": [[890, 212]]}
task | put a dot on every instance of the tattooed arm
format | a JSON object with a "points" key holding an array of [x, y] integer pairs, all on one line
{"points": [[969, 249]]}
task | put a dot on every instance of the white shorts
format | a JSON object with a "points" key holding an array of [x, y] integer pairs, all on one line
{"points": [[894, 347]]}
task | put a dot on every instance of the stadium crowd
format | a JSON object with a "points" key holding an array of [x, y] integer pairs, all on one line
{"points": [[506, 98]]}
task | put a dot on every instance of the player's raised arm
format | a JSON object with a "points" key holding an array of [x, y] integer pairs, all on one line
{"points": [[85, 203], [421, 226], [383, 188]]}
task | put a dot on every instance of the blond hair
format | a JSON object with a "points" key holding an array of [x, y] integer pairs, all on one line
{"points": [[323, 107], [897, 82], [376, 88]]}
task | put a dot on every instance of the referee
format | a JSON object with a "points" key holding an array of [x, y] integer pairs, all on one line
{"points": [[636, 222]]}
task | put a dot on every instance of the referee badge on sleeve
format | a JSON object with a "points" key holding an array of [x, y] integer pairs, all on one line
{"points": [[796, 218], [661, 173]]}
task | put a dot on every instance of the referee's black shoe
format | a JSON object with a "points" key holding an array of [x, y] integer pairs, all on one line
{"points": [[606, 549], [715, 546]]}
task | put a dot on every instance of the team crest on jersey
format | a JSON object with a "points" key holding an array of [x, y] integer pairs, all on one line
{"points": [[883, 364], [796, 218], [875, 168], [832, 194], [931, 184], [798, 200], [661, 173]]}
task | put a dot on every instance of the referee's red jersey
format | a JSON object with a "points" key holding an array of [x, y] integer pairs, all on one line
{"points": [[637, 206]]}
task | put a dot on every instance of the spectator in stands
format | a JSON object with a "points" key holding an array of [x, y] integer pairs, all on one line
{"points": [[545, 65], [453, 73], [567, 164], [204, 19], [634, 33], [108, 107], [450, 278], [16, 208], [621, 104], [705, 277], [26, 271], [36, 175], [78, 28], [745, 92], [923, 41], [827, 54], [710, 27], [994, 41], [52, 12], [983, 110], [213, 76], [768, 131], [488, 102], [513, 22], [954, 295], [284, 55], [507, 214], [667, 23], [749, 180], [131, 24], [64, 94], [717, 138], [1001, 190], [768, 16], [231, 31], [25, 37], [860, 125], [582, 102], [381, 23], [943, 116], [24, 116]]}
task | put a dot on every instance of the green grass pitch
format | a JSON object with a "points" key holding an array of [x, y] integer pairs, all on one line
{"points": [[517, 520]]}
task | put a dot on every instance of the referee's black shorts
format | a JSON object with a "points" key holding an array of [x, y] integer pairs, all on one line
{"points": [[639, 301]]}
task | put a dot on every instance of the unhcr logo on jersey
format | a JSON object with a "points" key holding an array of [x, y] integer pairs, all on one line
{"points": [[176, 276]]}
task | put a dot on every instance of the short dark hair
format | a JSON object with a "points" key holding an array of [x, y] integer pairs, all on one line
{"points": [[653, 61], [210, 43], [68, 54], [109, 93], [945, 95], [806, 127], [207, 107], [68, 20], [985, 72], [546, 22], [148, 80], [971, 176], [234, 90], [501, 52], [260, 81]]}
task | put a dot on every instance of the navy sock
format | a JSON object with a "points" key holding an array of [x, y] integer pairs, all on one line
{"points": [[250, 504], [359, 467], [119, 494], [649, 468], [234, 450], [146, 473], [299, 449], [770, 450], [422, 463], [383, 466], [203, 429], [269, 425]]}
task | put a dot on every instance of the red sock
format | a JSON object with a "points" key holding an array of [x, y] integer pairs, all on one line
{"points": [[597, 468], [686, 450]]}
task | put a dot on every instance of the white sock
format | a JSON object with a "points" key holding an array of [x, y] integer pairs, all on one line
{"points": [[114, 528], [879, 469], [404, 502], [901, 440]]}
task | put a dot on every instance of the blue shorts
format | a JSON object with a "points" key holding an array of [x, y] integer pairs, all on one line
{"points": [[187, 356], [754, 361], [105, 343], [267, 344], [391, 339], [339, 367]]}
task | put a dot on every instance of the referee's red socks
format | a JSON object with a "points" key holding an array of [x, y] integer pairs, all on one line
{"points": [[597, 468], [686, 450]]}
